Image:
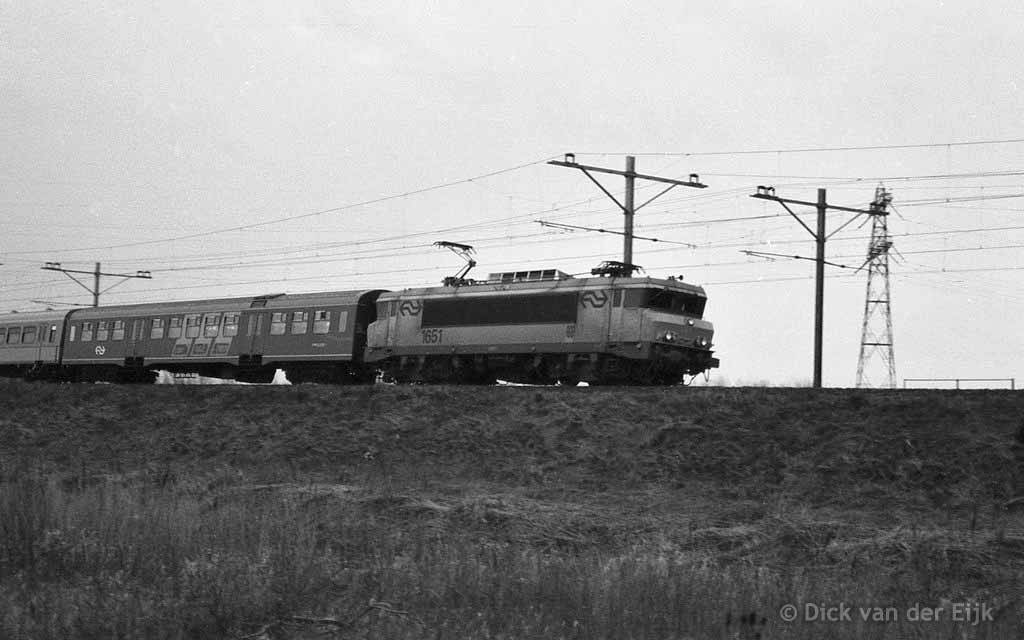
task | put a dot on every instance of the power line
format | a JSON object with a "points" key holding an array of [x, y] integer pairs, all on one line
{"points": [[880, 147], [301, 216], [930, 201]]}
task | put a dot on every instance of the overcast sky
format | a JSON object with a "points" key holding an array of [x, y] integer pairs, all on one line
{"points": [[135, 134]]}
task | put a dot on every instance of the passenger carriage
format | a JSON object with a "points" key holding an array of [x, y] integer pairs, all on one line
{"points": [[30, 343], [317, 336]]}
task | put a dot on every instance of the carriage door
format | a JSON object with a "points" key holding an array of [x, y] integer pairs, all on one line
{"points": [[254, 329], [135, 347], [41, 333]]}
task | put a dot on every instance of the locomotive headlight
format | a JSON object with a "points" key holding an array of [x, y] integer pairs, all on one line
{"points": [[690, 322], [701, 341], [667, 336]]}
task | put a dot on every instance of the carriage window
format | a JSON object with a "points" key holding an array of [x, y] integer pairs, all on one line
{"points": [[299, 322], [157, 331], [29, 335], [14, 335], [212, 327], [53, 333], [322, 321], [3, 335], [192, 326], [102, 330], [174, 329], [342, 321], [617, 298], [230, 324], [86, 332], [278, 322], [118, 331], [73, 333]]}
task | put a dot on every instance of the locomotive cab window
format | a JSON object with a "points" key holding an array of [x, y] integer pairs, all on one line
{"points": [[73, 333], [676, 302], [322, 321], [192, 326], [342, 321], [28, 336], [278, 323], [103, 330], [211, 326], [117, 332], [156, 331], [230, 324], [86, 332], [299, 322], [174, 329], [14, 335]]}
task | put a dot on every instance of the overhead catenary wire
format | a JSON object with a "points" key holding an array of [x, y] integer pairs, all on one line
{"points": [[523, 216], [568, 211]]}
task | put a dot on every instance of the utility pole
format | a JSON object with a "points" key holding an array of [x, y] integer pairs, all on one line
{"points": [[96, 273], [822, 206], [876, 298], [628, 208]]}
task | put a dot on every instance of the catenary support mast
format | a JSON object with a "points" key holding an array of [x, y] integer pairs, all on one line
{"points": [[820, 237], [96, 273], [628, 208]]}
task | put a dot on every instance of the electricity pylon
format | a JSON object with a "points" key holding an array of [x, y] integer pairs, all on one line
{"points": [[876, 334]]}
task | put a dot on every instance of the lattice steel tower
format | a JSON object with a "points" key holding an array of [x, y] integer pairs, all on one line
{"points": [[876, 334]]}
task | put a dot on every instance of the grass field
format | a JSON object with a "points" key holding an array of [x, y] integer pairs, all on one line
{"points": [[443, 512]]}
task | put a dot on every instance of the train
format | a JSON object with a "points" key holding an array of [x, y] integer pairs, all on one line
{"points": [[539, 326]]}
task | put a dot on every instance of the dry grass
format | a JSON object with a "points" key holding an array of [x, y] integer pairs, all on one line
{"points": [[387, 512]]}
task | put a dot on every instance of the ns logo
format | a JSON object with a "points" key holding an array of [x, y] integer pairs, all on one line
{"points": [[410, 308], [594, 299]]}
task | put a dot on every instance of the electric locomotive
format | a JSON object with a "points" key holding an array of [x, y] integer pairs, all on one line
{"points": [[543, 327]]}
